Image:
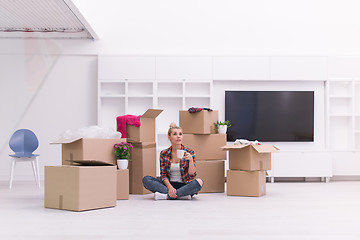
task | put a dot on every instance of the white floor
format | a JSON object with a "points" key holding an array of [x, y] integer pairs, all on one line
{"points": [[288, 211]]}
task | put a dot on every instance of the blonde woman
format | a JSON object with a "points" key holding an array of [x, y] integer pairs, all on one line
{"points": [[178, 175]]}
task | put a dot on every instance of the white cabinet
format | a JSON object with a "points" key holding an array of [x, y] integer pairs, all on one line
{"points": [[168, 68], [302, 164], [241, 68], [346, 163], [298, 68], [122, 67]]}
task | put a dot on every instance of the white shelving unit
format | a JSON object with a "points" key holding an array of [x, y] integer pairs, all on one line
{"points": [[343, 123], [341, 114]]}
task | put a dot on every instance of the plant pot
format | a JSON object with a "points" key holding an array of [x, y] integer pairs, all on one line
{"points": [[122, 163], [222, 129]]}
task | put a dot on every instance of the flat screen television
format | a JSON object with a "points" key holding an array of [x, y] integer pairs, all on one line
{"points": [[270, 116]]}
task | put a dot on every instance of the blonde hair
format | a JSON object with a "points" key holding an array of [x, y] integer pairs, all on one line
{"points": [[173, 126]]}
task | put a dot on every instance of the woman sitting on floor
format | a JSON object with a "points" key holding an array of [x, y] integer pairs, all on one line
{"points": [[177, 174]]}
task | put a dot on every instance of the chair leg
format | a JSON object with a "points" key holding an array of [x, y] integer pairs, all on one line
{"points": [[34, 170], [37, 171], [13, 162]]}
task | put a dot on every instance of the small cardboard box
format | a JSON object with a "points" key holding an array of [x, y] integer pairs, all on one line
{"points": [[143, 163], [213, 174], [246, 183], [80, 188], [199, 122], [250, 157], [122, 184], [146, 132], [88, 149], [206, 146]]}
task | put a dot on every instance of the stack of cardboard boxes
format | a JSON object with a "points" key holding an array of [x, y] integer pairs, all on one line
{"points": [[88, 178], [143, 155], [248, 164], [199, 135]]}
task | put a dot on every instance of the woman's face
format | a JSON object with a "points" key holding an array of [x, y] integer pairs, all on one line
{"points": [[176, 137]]}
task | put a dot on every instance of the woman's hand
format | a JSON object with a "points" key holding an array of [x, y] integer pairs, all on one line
{"points": [[188, 156], [172, 192]]}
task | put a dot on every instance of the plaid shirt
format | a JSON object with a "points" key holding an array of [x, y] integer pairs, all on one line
{"points": [[165, 163]]}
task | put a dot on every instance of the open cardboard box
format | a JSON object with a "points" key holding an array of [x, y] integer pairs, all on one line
{"points": [[246, 183], [206, 146], [93, 149], [143, 163], [80, 188], [212, 172], [250, 157], [199, 122], [146, 132]]}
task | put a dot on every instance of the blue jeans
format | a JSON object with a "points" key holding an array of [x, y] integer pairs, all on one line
{"points": [[182, 189]]}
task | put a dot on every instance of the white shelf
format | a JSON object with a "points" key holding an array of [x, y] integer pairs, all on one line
{"points": [[341, 96], [170, 96], [113, 96], [342, 114]]}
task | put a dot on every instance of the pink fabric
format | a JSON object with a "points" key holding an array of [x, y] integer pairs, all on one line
{"points": [[127, 119]]}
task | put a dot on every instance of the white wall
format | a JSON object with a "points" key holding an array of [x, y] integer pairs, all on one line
{"points": [[66, 99]]}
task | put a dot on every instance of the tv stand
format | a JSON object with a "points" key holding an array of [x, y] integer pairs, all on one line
{"points": [[305, 163]]}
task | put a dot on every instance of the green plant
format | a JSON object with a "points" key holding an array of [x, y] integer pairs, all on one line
{"points": [[122, 150], [219, 123]]}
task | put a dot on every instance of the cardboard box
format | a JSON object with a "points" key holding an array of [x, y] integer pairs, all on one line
{"points": [[199, 122], [88, 149], [143, 163], [213, 174], [206, 147], [246, 183], [80, 188], [122, 184], [146, 132], [250, 157]]}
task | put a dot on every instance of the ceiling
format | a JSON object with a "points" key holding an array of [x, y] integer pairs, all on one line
{"points": [[58, 19]]}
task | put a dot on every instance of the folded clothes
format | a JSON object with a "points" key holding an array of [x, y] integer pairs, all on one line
{"points": [[127, 119], [194, 109]]}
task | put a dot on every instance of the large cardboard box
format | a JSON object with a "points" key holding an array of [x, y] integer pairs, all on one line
{"points": [[213, 174], [146, 132], [80, 188], [122, 184], [199, 122], [88, 149], [250, 157], [246, 183], [206, 146], [143, 163]]}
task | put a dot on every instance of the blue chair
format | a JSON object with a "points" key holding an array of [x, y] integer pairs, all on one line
{"points": [[24, 142]]}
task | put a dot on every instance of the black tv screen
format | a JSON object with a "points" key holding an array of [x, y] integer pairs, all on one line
{"points": [[270, 116]]}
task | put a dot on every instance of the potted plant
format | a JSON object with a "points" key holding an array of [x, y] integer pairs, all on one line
{"points": [[221, 127], [122, 153]]}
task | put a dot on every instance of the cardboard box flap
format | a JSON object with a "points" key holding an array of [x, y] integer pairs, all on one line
{"points": [[151, 113], [228, 147], [90, 162], [265, 148], [65, 140]]}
